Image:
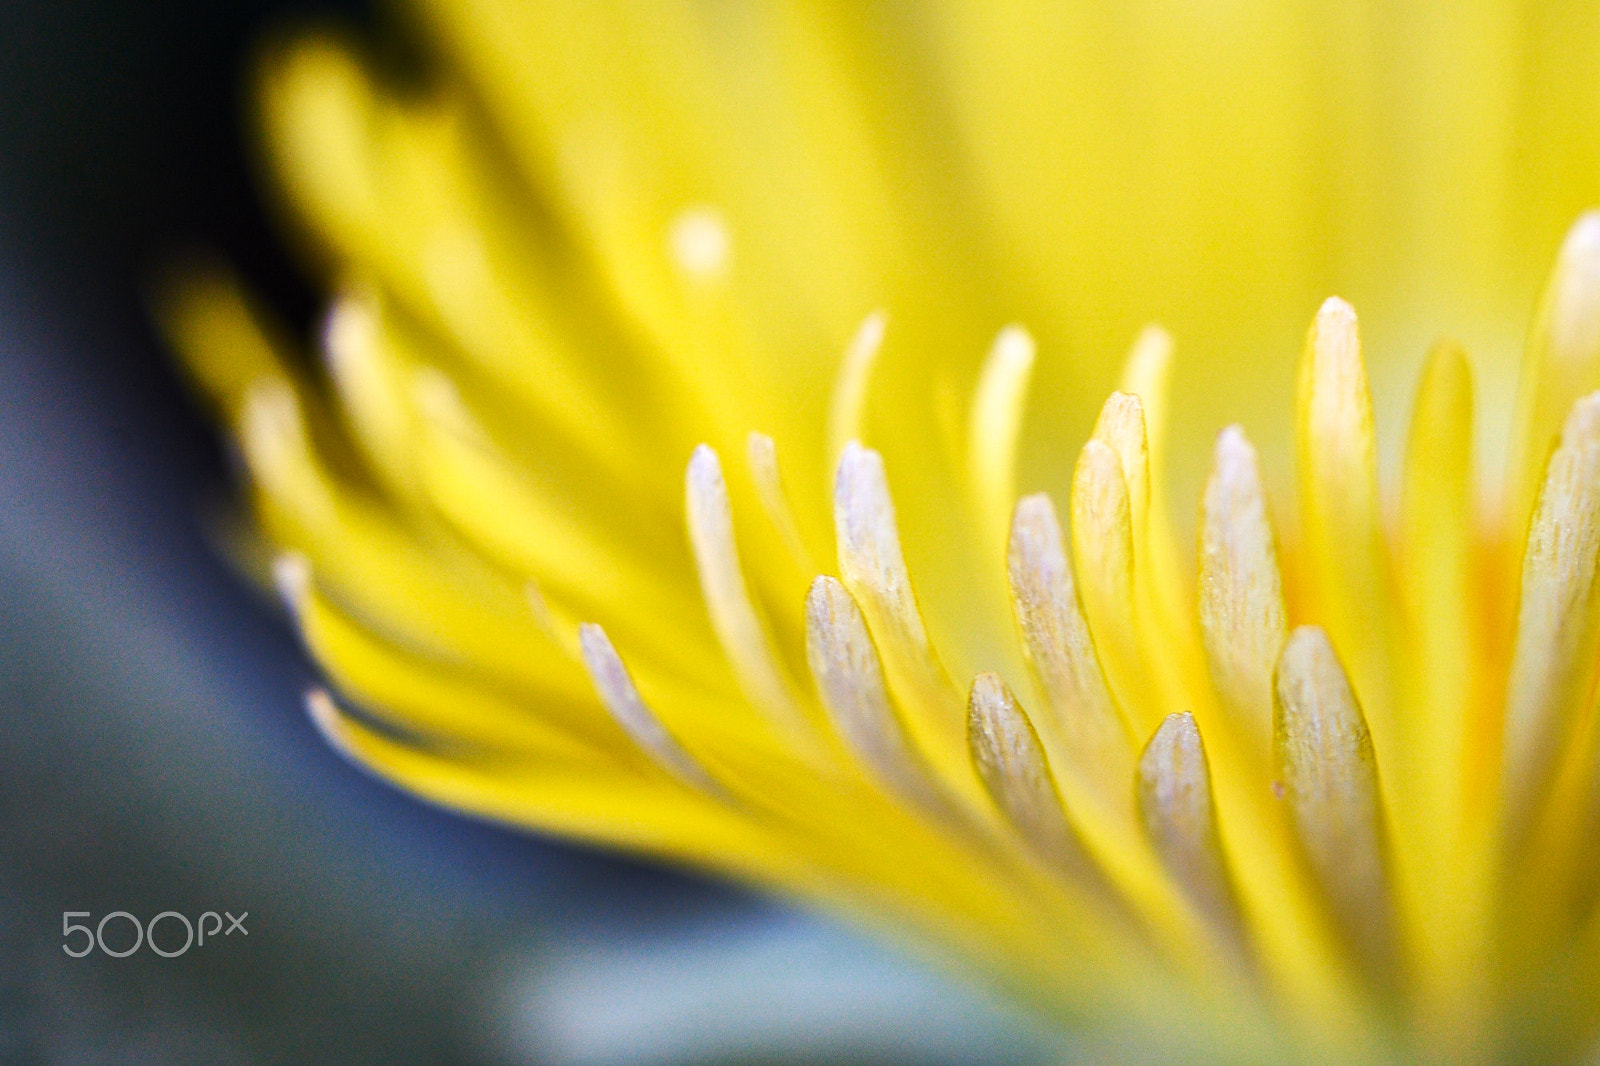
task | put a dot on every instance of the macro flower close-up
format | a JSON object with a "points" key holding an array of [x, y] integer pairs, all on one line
{"points": [[924, 461]]}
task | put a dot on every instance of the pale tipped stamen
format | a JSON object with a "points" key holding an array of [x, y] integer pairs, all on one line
{"points": [[366, 387], [621, 699], [1158, 611], [1242, 615], [439, 400], [1180, 821], [1121, 428], [1334, 420], [368, 378], [1013, 767], [1329, 777], [1552, 663], [996, 426], [291, 576], [329, 722], [700, 244], [1103, 560], [850, 680], [849, 402], [272, 434], [1094, 737], [762, 454], [738, 626], [874, 570], [1145, 375], [1337, 464], [349, 333], [1561, 364], [562, 631]]}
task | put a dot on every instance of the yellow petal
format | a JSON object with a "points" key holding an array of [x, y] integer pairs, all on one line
{"points": [[1444, 856]]}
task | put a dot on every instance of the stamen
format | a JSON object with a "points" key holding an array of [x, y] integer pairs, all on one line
{"points": [[1121, 427], [1160, 610], [367, 381], [1339, 502], [1242, 617], [272, 434], [740, 629], [699, 242], [763, 456], [1012, 765], [1145, 375], [995, 426], [562, 630], [1094, 737], [1561, 364], [1324, 758], [438, 400], [1553, 662], [874, 570], [621, 698], [850, 390], [348, 335], [1102, 550], [1180, 821], [291, 575], [329, 722], [850, 680]]}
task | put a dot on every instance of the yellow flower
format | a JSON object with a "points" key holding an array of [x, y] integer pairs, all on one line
{"points": [[1330, 794]]}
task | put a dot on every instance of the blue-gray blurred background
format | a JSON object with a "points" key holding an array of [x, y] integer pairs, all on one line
{"points": [[153, 756]]}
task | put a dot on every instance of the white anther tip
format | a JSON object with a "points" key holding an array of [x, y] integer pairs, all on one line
{"points": [[348, 332], [704, 466], [1581, 248], [1336, 311], [700, 243], [291, 573], [1014, 345]]}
